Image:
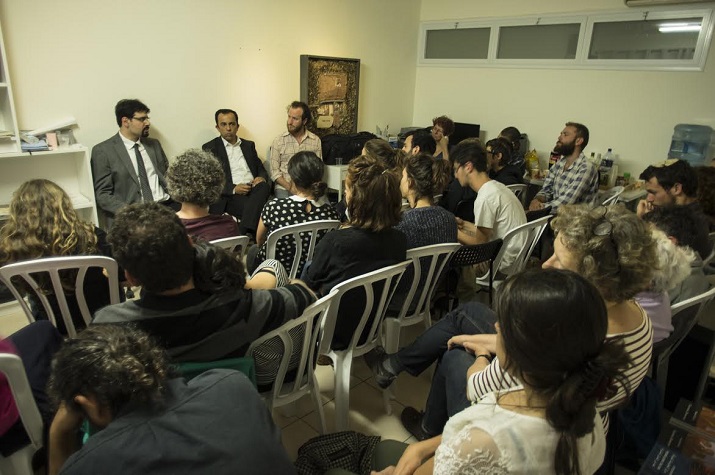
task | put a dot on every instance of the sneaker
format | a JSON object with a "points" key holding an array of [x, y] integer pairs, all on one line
{"points": [[375, 360], [412, 420]]}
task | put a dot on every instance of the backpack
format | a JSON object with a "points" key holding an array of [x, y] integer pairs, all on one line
{"points": [[348, 450], [345, 146]]}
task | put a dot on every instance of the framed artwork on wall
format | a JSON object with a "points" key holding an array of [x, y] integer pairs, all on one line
{"points": [[330, 86]]}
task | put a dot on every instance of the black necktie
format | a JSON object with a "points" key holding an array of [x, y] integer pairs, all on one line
{"points": [[147, 195]]}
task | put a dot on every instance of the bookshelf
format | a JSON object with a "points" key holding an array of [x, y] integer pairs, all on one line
{"points": [[9, 133]]}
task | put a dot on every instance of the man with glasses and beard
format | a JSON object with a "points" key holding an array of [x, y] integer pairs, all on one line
{"points": [[129, 167], [573, 179]]}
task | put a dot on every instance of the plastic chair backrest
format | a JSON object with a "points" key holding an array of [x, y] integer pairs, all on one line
{"points": [[316, 229], [519, 190], [234, 244], [11, 365], [385, 280], [685, 316], [611, 196], [53, 266], [532, 231], [245, 365], [428, 263], [290, 349], [711, 256], [477, 253]]}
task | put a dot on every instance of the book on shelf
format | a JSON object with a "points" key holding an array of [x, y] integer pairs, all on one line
{"points": [[686, 444]]}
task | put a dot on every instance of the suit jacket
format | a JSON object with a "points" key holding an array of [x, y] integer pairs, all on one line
{"points": [[248, 148], [115, 181]]}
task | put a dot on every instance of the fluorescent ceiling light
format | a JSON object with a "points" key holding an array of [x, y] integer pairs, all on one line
{"points": [[678, 27]]}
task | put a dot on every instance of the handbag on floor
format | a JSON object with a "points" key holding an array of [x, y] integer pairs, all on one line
{"points": [[349, 450]]}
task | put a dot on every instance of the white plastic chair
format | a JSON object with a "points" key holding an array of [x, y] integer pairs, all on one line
{"points": [[685, 316], [611, 196], [428, 263], [385, 280], [530, 233], [519, 190], [292, 347], [234, 244], [299, 232], [711, 256], [20, 462], [53, 266]]}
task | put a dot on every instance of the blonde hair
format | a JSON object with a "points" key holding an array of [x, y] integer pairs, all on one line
{"points": [[620, 263], [43, 223]]}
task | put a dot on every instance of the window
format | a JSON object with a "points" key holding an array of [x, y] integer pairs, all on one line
{"points": [[465, 43], [659, 39], [538, 41]]}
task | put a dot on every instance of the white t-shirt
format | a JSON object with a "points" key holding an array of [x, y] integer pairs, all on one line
{"points": [[498, 209]]}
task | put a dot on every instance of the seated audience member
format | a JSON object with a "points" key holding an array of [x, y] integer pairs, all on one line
{"points": [[513, 136], [442, 128], [683, 226], [195, 180], [369, 241], [245, 187], [549, 422], [609, 246], [193, 299], [673, 267], [383, 151], [43, 223], [424, 223], [574, 179], [496, 210], [499, 168], [307, 204], [35, 344], [149, 420], [706, 192], [418, 141]]}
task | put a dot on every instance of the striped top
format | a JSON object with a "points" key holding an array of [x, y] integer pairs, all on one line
{"points": [[639, 346]]}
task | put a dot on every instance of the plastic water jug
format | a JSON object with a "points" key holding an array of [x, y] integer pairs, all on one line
{"points": [[691, 142]]}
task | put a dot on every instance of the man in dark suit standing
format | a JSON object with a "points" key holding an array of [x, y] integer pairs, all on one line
{"points": [[246, 189], [129, 167]]}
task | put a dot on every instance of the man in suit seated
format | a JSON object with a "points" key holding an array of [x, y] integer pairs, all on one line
{"points": [[129, 167], [246, 189]]}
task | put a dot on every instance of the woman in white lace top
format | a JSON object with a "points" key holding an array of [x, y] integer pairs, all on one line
{"points": [[551, 334]]}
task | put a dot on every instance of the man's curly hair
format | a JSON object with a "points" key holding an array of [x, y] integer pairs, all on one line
{"points": [[150, 242], [195, 177], [619, 263], [117, 364]]}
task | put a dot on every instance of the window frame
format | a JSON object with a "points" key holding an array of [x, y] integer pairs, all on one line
{"points": [[586, 22]]}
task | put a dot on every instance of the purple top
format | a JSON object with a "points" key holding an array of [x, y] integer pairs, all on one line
{"points": [[211, 227]]}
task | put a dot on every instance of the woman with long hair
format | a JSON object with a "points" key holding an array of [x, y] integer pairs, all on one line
{"points": [[43, 223], [552, 330], [307, 204], [368, 241]]}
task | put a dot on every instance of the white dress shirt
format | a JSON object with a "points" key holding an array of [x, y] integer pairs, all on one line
{"points": [[240, 172], [156, 190]]}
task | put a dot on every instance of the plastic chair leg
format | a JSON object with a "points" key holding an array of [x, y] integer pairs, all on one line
{"points": [[392, 335], [315, 394], [342, 390]]}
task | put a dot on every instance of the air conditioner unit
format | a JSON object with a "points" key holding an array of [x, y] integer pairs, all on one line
{"points": [[650, 3]]}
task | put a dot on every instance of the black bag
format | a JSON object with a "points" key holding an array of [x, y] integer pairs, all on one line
{"points": [[345, 146], [348, 450]]}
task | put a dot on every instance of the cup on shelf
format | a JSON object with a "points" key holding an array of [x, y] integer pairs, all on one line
{"points": [[63, 139]]}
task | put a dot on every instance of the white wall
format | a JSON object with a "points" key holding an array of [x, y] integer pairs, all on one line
{"points": [[633, 112], [185, 59]]}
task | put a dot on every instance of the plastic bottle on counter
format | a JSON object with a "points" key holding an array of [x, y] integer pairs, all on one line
{"points": [[605, 169]]}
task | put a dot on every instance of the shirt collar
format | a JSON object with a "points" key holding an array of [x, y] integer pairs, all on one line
{"points": [[129, 144], [227, 144]]}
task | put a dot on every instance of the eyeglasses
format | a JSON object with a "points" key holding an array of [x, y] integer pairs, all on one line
{"points": [[605, 228], [141, 119]]}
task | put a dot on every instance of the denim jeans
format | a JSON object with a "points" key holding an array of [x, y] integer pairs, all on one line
{"points": [[448, 393]]}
